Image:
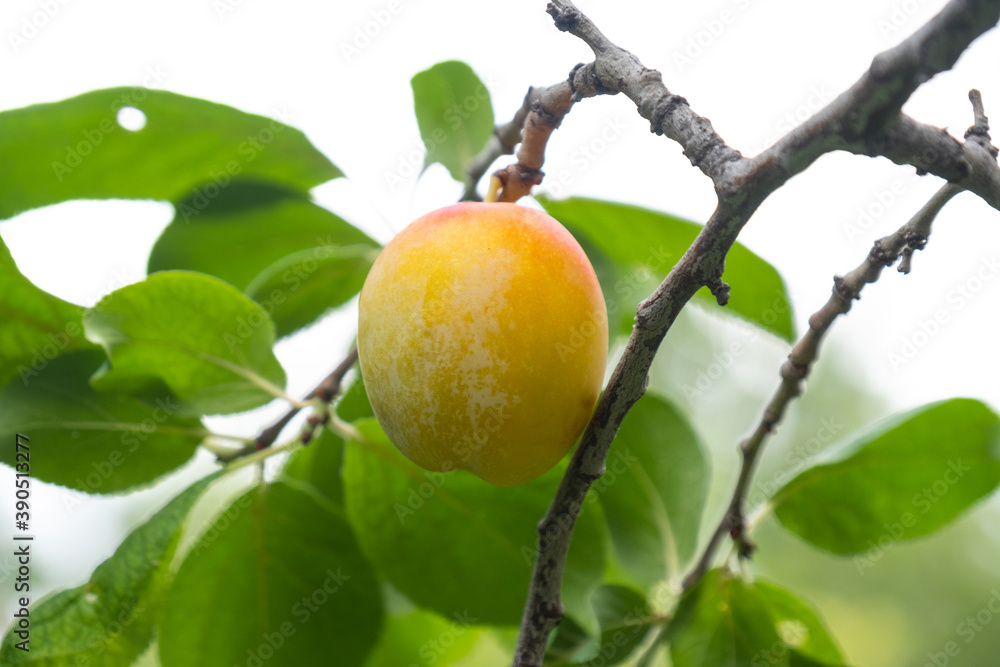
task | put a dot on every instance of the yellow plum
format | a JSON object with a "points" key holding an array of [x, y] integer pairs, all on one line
{"points": [[482, 339]]}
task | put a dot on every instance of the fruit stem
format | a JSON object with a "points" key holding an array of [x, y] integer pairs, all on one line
{"points": [[326, 391], [261, 455], [491, 194], [344, 430]]}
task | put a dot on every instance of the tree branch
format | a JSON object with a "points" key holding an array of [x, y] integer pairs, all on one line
{"points": [[541, 112], [866, 118], [620, 71], [546, 113], [911, 236], [326, 391], [901, 245], [505, 138]]}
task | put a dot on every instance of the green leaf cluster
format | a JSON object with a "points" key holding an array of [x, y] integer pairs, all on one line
{"points": [[350, 554]]}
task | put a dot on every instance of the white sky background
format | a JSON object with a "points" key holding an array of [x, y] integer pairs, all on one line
{"points": [[771, 59]]}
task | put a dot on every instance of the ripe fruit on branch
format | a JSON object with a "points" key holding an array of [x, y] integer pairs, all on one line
{"points": [[482, 339]]}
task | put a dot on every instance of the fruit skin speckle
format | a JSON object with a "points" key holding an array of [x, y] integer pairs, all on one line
{"points": [[482, 338]]}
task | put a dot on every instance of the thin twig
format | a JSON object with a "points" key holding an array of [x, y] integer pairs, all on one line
{"points": [[261, 455], [911, 236], [505, 138], [517, 179], [668, 114], [540, 113], [325, 391]]}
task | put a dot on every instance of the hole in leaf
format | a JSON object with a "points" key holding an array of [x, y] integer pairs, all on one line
{"points": [[131, 119]]}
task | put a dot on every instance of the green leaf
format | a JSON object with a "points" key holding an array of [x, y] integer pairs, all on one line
{"points": [[35, 326], [654, 490], [354, 404], [424, 638], [726, 622], [273, 244], [319, 464], [569, 641], [640, 240], [282, 580], [796, 659], [454, 113], [799, 625], [75, 149], [906, 478], [89, 440], [110, 620], [624, 618], [245, 229], [719, 623], [586, 561], [452, 542], [301, 287], [622, 289], [209, 344]]}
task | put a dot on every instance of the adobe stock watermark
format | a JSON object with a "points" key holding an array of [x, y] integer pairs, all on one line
{"points": [[922, 502], [578, 335], [248, 149], [58, 341], [222, 523], [723, 362], [223, 8], [795, 461], [100, 642], [635, 621], [551, 532], [32, 24], [303, 610], [707, 34], [376, 22], [292, 279], [434, 649], [956, 299], [879, 202], [468, 446], [409, 163], [619, 462], [817, 98], [584, 156], [792, 634], [562, 523], [93, 137], [119, 278], [967, 630], [899, 15], [632, 287], [131, 439]]}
